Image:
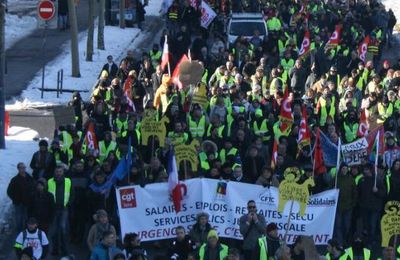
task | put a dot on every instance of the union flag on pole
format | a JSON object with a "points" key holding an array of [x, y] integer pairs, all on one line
{"points": [[165, 55], [363, 48], [305, 45], [304, 132], [175, 74], [91, 140], [363, 125], [274, 155], [335, 38], [319, 165], [285, 115]]}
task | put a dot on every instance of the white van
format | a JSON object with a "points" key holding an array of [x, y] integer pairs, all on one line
{"points": [[244, 24]]}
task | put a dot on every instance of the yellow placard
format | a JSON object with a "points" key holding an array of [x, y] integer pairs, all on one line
{"points": [[390, 222], [151, 127], [289, 189], [187, 152], [200, 96]]}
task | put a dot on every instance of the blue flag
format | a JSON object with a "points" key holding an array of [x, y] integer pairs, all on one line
{"points": [[329, 151]]}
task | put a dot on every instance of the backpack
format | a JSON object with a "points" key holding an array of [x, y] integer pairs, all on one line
{"points": [[25, 234]]}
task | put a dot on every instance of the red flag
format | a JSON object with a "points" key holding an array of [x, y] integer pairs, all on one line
{"points": [[91, 140], [175, 74], [165, 55], [363, 48], [274, 155], [176, 189], [304, 132], [305, 45], [372, 137], [363, 125], [285, 115], [319, 165], [335, 38]]}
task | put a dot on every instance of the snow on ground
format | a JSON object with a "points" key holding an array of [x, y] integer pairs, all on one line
{"points": [[17, 28], [154, 7], [117, 41], [19, 148], [395, 6]]}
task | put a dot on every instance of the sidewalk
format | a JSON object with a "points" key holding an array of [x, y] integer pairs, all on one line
{"points": [[24, 59]]}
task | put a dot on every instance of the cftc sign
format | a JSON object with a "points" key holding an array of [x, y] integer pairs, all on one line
{"points": [[47, 14]]}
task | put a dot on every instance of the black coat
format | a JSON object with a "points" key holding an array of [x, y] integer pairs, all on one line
{"points": [[20, 189], [42, 207], [112, 71], [45, 170]]}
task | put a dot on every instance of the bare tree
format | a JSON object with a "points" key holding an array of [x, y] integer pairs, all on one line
{"points": [[122, 14], [2, 85], [89, 43], [74, 39], [100, 31]]}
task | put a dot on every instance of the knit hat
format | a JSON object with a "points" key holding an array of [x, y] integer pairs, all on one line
{"points": [[212, 233], [101, 213], [43, 143], [271, 227]]}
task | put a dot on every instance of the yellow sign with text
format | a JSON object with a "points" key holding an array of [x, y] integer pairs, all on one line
{"points": [[151, 127], [187, 152], [289, 189], [390, 222]]}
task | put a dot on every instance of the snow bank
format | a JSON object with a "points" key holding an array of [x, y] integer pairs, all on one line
{"points": [[17, 28], [20, 147], [154, 7], [117, 41]]}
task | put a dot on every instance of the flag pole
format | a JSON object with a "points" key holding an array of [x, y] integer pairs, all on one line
{"points": [[338, 162], [376, 157], [169, 66]]}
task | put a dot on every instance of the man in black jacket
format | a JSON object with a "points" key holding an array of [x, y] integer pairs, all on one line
{"points": [[181, 246], [110, 67], [19, 190]]}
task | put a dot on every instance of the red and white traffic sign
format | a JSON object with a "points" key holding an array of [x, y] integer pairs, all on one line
{"points": [[46, 10]]}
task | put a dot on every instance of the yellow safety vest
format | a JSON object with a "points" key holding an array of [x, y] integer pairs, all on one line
{"points": [[220, 130], [223, 154], [197, 129], [385, 113], [350, 132], [223, 252], [67, 189], [263, 129], [367, 253], [105, 150]]}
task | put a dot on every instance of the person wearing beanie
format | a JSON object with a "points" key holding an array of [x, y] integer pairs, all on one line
{"points": [[43, 162], [268, 244], [102, 224], [213, 249], [19, 191], [34, 238]]}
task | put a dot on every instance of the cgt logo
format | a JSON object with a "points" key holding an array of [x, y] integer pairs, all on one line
{"points": [[128, 198]]}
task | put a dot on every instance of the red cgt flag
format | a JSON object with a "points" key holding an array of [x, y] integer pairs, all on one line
{"points": [[91, 140], [274, 155], [319, 165], [363, 48], [363, 127], [285, 115], [305, 45], [335, 38], [304, 132]]}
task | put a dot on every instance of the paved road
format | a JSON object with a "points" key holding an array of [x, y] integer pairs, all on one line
{"points": [[24, 59]]}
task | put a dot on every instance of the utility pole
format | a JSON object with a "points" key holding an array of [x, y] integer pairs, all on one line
{"points": [[2, 63], [74, 39]]}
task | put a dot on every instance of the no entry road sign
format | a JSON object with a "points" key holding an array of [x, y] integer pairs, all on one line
{"points": [[46, 10]]}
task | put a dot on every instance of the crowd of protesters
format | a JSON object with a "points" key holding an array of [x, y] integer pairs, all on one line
{"points": [[246, 84]]}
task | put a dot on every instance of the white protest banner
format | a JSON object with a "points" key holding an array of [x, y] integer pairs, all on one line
{"points": [[207, 14], [149, 211], [356, 152]]}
